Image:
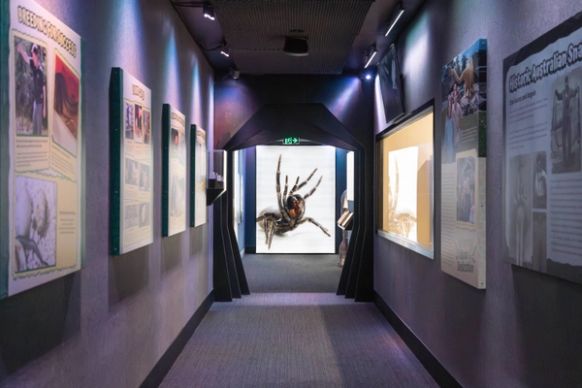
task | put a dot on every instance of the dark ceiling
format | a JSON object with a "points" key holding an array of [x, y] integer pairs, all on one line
{"points": [[339, 32]]}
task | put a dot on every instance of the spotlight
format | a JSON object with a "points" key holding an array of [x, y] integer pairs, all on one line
{"points": [[208, 12], [399, 11], [225, 53], [370, 57], [368, 76], [234, 73]]}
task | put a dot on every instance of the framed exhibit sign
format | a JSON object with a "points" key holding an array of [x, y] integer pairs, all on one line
{"points": [[390, 84], [405, 181], [543, 155], [132, 162], [198, 176], [41, 147], [173, 171], [463, 165], [296, 185]]}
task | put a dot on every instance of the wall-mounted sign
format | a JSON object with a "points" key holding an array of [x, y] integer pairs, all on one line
{"points": [[41, 147], [174, 171], [463, 164], [131, 163], [198, 176], [543, 152]]}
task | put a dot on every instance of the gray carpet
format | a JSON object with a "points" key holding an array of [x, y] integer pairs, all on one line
{"points": [[292, 273], [296, 340]]}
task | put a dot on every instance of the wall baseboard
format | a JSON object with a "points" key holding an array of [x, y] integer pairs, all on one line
{"points": [[164, 364], [420, 350]]}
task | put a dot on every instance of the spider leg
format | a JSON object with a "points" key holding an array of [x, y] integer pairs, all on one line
{"points": [[309, 219], [297, 187], [282, 209], [314, 188], [286, 186], [294, 188], [270, 234]]}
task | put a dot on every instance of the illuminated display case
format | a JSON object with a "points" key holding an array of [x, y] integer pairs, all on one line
{"points": [[216, 175]]}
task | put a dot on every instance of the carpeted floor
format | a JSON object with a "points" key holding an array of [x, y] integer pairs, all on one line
{"points": [[296, 340], [292, 273]]}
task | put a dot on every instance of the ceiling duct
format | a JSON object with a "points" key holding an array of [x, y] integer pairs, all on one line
{"points": [[296, 46]]}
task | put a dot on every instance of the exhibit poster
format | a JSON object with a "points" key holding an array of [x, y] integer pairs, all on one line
{"points": [[199, 176], [131, 165], [390, 84], [406, 183], [295, 199], [463, 165], [174, 182], [238, 195], [543, 156], [41, 147]]}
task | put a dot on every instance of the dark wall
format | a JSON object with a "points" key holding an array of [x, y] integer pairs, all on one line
{"points": [[524, 329], [107, 325]]}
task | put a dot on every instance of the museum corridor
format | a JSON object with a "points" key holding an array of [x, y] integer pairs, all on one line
{"points": [[296, 340], [290, 193]]}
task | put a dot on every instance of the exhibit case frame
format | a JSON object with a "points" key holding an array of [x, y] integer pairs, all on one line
{"points": [[405, 152]]}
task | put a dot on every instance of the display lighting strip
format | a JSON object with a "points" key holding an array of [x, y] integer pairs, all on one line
{"points": [[370, 58], [400, 13], [225, 53]]}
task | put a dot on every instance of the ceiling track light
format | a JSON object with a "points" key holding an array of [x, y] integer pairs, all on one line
{"points": [[225, 52], [398, 11], [372, 52], [208, 11]]}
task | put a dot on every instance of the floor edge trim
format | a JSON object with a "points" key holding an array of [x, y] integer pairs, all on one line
{"points": [[167, 360], [434, 367]]}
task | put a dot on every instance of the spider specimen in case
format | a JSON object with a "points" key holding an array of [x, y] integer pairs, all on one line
{"points": [[291, 208]]}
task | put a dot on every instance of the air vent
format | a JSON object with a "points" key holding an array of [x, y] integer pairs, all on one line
{"points": [[296, 46]]}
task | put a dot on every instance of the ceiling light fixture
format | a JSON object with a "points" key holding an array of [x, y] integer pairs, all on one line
{"points": [[208, 12], [398, 11], [225, 53], [370, 57]]}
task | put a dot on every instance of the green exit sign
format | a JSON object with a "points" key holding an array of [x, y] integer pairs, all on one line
{"points": [[291, 140]]}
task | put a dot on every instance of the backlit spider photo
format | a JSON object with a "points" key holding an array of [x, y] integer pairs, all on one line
{"points": [[290, 211]]}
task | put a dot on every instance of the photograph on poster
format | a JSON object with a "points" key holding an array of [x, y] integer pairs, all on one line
{"points": [[30, 73], [566, 123], [390, 84], [466, 189], [406, 182], [66, 106], [42, 82], [199, 176], [295, 199], [35, 224], [463, 164], [543, 156], [132, 190], [174, 170]]}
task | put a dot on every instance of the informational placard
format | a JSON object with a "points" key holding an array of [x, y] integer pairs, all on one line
{"points": [[390, 84], [131, 172], [295, 199], [543, 156], [406, 183], [41, 138], [174, 171], [199, 176], [463, 165]]}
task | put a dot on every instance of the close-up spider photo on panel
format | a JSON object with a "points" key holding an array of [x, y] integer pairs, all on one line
{"points": [[291, 207]]}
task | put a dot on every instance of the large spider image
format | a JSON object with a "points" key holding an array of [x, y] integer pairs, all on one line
{"points": [[291, 208]]}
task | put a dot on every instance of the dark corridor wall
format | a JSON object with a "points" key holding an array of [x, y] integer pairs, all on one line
{"points": [[524, 330], [107, 325]]}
